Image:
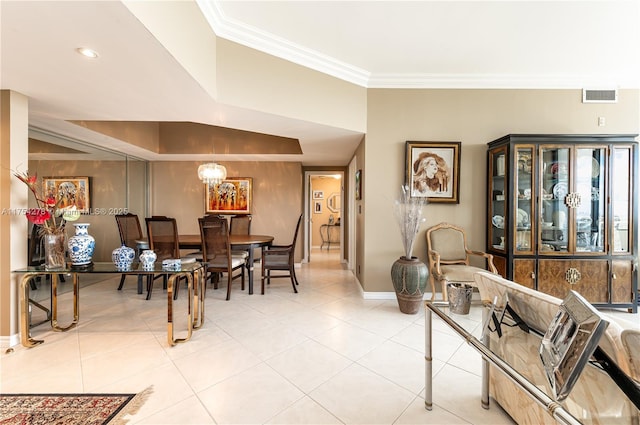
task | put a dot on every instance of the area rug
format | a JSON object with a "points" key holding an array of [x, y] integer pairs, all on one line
{"points": [[68, 409]]}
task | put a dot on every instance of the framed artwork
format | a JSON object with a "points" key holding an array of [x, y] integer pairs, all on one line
{"points": [[318, 194], [359, 185], [231, 196], [317, 207], [68, 192], [433, 170]]}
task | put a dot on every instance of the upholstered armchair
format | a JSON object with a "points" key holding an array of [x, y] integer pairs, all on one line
{"points": [[449, 256]]}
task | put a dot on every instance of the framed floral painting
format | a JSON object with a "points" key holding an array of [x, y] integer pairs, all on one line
{"points": [[68, 192], [433, 170], [231, 196]]}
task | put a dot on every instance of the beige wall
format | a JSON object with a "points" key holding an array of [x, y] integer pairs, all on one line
{"points": [[359, 209], [258, 81], [277, 196], [473, 117]]}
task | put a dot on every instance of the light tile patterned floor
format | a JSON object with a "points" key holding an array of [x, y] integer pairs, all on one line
{"points": [[323, 356]]}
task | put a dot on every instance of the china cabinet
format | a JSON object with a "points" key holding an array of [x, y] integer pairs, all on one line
{"points": [[563, 214]]}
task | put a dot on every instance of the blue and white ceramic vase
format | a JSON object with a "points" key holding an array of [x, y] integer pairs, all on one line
{"points": [[123, 257], [148, 259], [81, 246]]}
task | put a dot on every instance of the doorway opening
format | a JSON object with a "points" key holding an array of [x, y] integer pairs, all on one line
{"points": [[324, 194]]}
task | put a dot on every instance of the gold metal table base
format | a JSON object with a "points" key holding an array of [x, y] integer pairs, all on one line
{"points": [[200, 290], [195, 314], [25, 321]]}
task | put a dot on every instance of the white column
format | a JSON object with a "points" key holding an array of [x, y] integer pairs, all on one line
{"points": [[14, 156]]}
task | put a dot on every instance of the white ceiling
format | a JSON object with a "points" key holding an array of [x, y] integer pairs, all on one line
{"points": [[501, 44]]}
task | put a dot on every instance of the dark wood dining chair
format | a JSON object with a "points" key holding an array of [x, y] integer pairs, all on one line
{"points": [[240, 225], [216, 251], [281, 257], [130, 232], [162, 233], [35, 255]]}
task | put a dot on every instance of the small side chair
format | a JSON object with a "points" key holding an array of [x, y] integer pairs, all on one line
{"points": [[449, 256]]}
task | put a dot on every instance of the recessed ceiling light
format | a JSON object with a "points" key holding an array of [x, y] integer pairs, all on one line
{"points": [[85, 51]]}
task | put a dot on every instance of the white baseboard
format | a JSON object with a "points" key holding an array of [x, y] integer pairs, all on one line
{"points": [[388, 295], [9, 341]]}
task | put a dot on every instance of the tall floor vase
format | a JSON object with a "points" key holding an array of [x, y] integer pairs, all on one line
{"points": [[409, 277]]}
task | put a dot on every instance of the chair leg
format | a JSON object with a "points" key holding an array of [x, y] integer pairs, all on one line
{"points": [[443, 285], [121, 282], [293, 273], [294, 281], [229, 280], [32, 283], [149, 286]]}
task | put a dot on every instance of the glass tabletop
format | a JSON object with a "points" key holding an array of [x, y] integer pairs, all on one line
{"points": [[109, 267]]}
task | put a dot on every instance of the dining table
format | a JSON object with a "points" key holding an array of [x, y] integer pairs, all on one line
{"points": [[237, 242]]}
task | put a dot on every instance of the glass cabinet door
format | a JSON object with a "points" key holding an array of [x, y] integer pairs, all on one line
{"points": [[621, 190], [497, 191], [523, 198], [588, 205], [554, 188]]}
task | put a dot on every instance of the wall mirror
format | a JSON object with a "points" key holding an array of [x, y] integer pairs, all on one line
{"points": [[333, 202], [118, 182]]}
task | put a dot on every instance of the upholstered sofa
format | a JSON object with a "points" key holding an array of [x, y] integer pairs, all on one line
{"points": [[595, 398]]}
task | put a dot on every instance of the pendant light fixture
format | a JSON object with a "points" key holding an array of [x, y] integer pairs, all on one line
{"points": [[212, 173]]}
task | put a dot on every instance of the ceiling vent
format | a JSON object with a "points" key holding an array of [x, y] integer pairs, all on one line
{"points": [[599, 96]]}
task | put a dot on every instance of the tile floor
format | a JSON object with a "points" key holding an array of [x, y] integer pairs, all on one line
{"points": [[322, 356]]}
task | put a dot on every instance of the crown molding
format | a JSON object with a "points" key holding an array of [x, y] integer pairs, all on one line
{"points": [[246, 35], [479, 81], [233, 30]]}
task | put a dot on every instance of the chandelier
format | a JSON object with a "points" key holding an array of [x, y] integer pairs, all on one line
{"points": [[212, 173]]}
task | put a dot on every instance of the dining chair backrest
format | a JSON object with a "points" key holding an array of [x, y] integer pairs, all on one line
{"points": [[295, 234], [36, 247], [215, 239], [240, 224], [163, 236], [129, 229]]}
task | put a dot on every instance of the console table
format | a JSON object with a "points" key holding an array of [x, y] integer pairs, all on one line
{"points": [[194, 273], [329, 235], [464, 329], [588, 402]]}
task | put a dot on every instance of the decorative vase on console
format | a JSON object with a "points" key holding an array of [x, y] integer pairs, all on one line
{"points": [[409, 274], [148, 259], [123, 257], [50, 220], [81, 246], [54, 250]]}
